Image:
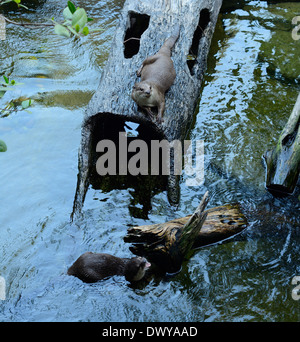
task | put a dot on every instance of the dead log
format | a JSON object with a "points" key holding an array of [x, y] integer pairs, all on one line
{"points": [[143, 28], [283, 162], [160, 243], [169, 244]]}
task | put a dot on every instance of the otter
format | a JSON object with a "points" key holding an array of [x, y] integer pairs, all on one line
{"points": [[157, 75], [91, 267]]}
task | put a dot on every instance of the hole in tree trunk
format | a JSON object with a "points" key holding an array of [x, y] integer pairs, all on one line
{"points": [[107, 127], [138, 24], [199, 32]]}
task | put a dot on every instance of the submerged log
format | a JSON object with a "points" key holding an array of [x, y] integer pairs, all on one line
{"points": [[143, 28], [169, 244], [283, 162], [159, 242]]}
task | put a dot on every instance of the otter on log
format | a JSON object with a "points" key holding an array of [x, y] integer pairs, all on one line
{"points": [[157, 75], [91, 267]]}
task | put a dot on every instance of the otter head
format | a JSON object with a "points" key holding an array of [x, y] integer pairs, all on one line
{"points": [[136, 268], [142, 89]]}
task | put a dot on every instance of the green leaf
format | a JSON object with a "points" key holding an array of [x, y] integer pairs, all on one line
{"points": [[73, 31], [62, 31], [6, 79], [23, 6], [85, 31], [79, 18], [17, 1], [71, 7], [12, 82], [67, 14], [3, 146], [26, 103], [90, 19], [77, 28]]}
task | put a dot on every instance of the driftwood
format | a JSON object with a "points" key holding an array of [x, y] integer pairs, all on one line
{"points": [[283, 162], [143, 28], [161, 243], [169, 244]]}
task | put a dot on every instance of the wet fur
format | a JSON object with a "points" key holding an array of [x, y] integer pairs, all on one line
{"points": [[91, 267]]}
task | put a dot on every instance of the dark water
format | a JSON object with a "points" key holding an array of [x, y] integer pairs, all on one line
{"points": [[249, 91]]}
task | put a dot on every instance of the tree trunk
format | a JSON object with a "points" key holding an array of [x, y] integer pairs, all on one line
{"points": [[143, 28], [167, 244], [283, 162]]}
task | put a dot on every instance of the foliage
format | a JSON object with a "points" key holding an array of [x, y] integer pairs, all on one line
{"points": [[18, 2], [13, 104], [75, 22], [4, 87], [3, 147]]}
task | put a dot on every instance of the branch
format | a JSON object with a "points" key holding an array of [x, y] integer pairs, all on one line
{"points": [[28, 24], [132, 38]]}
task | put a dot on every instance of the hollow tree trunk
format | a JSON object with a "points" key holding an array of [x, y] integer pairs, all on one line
{"points": [[283, 162], [143, 28], [161, 243]]}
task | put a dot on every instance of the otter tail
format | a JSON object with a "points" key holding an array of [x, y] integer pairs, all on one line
{"points": [[170, 42]]}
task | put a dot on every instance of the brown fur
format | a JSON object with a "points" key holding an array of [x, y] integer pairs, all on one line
{"points": [[91, 267], [157, 75]]}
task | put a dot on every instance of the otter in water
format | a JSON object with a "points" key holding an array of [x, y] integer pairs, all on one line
{"points": [[157, 75], [91, 267]]}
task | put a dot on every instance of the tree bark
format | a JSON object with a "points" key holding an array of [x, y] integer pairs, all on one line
{"points": [[143, 28], [167, 244], [283, 162]]}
